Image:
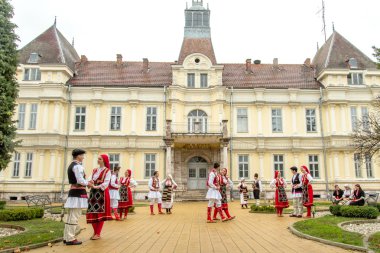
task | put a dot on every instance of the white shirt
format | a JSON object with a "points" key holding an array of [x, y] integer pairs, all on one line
{"points": [[273, 183], [260, 186], [156, 187], [113, 182], [211, 178], [79, 174], [107, 178]]}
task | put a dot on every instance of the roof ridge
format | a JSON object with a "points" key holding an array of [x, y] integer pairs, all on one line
{"points": [[330, 49], [59, 45]]}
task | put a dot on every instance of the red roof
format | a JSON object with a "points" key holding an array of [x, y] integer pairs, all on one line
{"points": [[197, 45]]}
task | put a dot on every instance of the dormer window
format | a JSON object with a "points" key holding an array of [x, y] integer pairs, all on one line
{"points": [[33, 58], [355, 78], [353, 63]]}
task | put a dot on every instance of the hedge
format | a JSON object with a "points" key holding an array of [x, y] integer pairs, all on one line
{"points": [[21, 214], [368, 212], [262, 209], [2, 204]]}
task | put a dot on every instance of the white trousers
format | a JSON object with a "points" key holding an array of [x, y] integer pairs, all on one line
{"points": [[217, 202], [297, 205], [114, 203], [155, 200], [71, 224]]}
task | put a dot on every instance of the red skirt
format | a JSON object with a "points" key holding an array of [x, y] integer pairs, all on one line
{"points": [[99, 206], [129, 202], [308, 198], [281, 201]]}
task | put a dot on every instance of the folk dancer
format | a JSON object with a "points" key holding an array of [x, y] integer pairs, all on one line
{"points": [[168, 185], [280, 198], [126, 197], [243, 189], [114, 191], [99, 206], [225, 182], [213, 195], [307, 190], [296, 193], [154, 194], [257, 189], [77, 199]]}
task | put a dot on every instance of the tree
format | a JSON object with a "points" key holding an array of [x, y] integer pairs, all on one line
{"points": [[377, 55], [8, 83], [366, 137]]}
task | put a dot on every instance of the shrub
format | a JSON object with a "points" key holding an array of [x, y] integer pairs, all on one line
{"points": [[262, 209], [2, 204], [378, 206], [21, 214], [368, 212], [335, 210]]}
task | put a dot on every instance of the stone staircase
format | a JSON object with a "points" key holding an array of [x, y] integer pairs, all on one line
{"points": [[191, 195]]}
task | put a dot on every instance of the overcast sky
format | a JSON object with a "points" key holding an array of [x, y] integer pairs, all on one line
{"points": [[240, 29]]}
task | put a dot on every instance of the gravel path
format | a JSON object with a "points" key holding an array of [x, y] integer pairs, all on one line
{"points": [[8, 231], [365, 228]]}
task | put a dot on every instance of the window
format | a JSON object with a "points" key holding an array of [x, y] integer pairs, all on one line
{"points": [[276, 120], [278, 162], [358, 169], [242, 120], [197, 19], [150, 164], [365, 118], [21, 116], [32, 74], [191, 80], [368, 166], [29, 163], [192, 172], [204, 81], [202, 173], [33, 58], [189, 18], [314, 166], [311, 124], [197, 122], [33, 116], [354, 119], [151, 119], [16, 165], [243, 166], [115, 118], [80, 118], [114, 160], [355, 79]]}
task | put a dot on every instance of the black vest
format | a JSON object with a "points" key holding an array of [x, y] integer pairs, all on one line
{"points": [[76, 193], [70, 173], [296, 180]]}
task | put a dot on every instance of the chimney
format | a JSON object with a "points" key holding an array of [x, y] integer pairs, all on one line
{"points": [[119, 59], [307, 62], [83, 59], [275, 62], [145, 64], [248, 64]]}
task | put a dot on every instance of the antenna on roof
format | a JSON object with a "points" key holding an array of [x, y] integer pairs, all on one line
{"points": [[55, 21], [323, 18], [333, 27]]}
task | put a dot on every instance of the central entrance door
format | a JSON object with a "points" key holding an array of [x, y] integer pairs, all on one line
{"points": [[197, 167]]}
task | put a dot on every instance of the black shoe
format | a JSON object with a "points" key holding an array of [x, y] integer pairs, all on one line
{"points": [[75, 242], [64, 241]]}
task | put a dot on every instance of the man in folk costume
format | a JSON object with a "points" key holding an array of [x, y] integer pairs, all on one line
{"points": [[114, 191], [213, 194], [154, 194], [257, 188], [307, 190], [224, 182], [296, 193], [168, 185], [281, 200], [99, 206], [77, 199], [126, 198], [243, 190]]}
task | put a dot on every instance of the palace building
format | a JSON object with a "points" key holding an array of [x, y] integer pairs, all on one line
{"points": [[180, 117]]}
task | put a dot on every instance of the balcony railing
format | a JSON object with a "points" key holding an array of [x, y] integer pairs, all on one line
{"points": [[197, 128]]}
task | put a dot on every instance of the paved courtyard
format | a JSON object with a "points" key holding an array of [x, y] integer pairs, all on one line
{"points": [[186, 230]]}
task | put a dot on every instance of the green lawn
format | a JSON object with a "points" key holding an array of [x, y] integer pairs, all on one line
{"points": [[37, 231], [374, 242], [326, 228]]}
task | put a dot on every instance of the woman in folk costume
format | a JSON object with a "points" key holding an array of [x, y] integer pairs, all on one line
{"points": [[224, 182], [257, 188], [126, 198], [280, 198], [114, 191], [213, 194], [168, 185], [154, 194], [307, 190], [243, 189], [99, 206]]}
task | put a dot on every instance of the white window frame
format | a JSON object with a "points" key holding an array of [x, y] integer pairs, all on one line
{"points": [[279, 165], [365, 117], [115, 118], [368, 166], [354, 118], [204, 80], [243, 165], [29, 165], [355, 78], [314, 166], [114, 160], [16, 164], [276, 120], [21, 116], [309, 121], [152, 163], [151, 118], [32, 74], [190, 81], [80, 118], [33, 116], [242, 120], [358, 165]]}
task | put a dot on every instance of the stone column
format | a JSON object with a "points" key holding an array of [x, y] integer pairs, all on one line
{"points": [[259, 121], [133, 123], [97, 118], [94, 159], [261, 162], [296, 162], [41, 166], [343, 119], [45, 115], [52, 165], [336, 165], [132, 160], [294, 120], [56, 119], [346, 164], [333, 119], [225, 155]]}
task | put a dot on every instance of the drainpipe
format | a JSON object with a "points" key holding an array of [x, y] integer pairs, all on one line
{"points": [[323, 143], [231, 128], [66, 139]]}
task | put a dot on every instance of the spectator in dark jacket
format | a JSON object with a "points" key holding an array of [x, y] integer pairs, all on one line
{"points": [[358, 196], [337, 195]]}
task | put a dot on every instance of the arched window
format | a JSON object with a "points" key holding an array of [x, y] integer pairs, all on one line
{"points": [[197, 121], [197, 159]]}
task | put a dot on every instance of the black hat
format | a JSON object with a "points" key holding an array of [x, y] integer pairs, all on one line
{"points": [[294, 168], [77, 152]]}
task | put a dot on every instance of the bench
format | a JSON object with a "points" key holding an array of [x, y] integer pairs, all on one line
{"points": [[371, 198], [38, 200]]}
